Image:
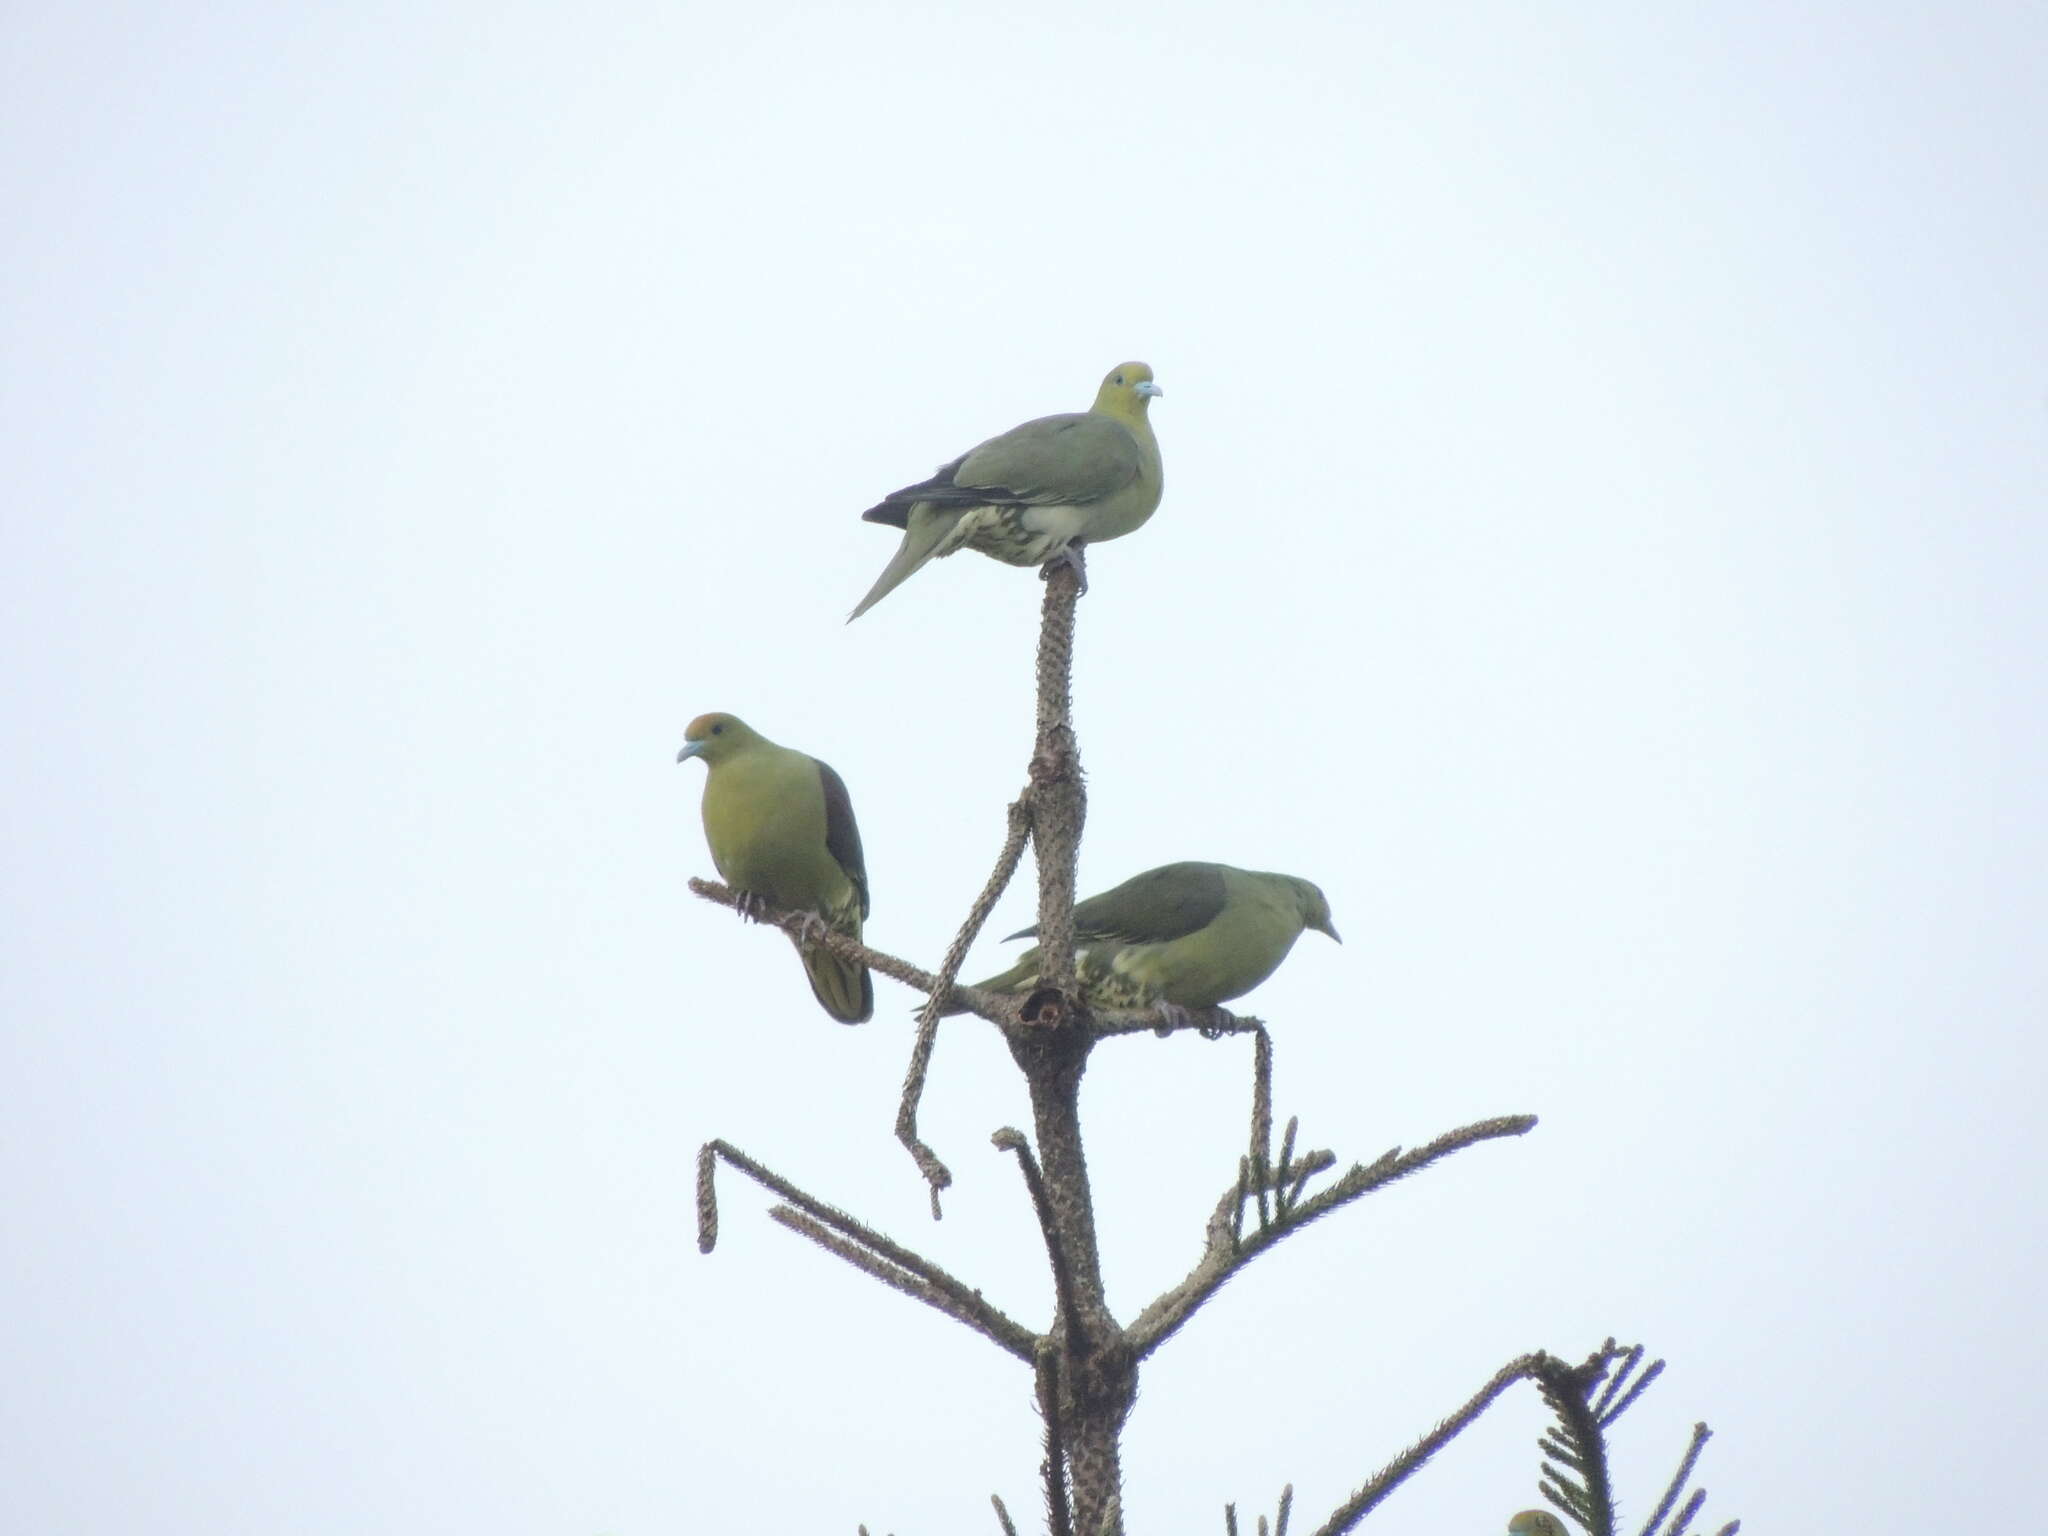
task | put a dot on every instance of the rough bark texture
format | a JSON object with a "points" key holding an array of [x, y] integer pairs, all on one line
{"points": [[1098, 1370], [1059, 801]]}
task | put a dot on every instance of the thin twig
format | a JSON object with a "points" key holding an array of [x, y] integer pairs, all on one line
{"points": [[1616, 1381], [1567, 1496], [1262, 1120], [1684, 1517], [1059, 1517], [1700, 1435], [1219, 1262], [894, 1276], [1319, 1161], [1634, 1392], [936, 1174], [1013, 1336], [1010, 1139], [1002, 1514], [707, 1200], [1388, 1478], [1554, 1448], [1678, 1483], [1283, 1169]]}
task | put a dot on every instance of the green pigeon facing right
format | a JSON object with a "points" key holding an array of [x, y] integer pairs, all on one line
{"points": [[1037, 492], [1181, 936], [780, 825]]}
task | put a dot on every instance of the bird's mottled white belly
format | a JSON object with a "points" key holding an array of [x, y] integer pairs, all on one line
{"points": [[1015, 535]]}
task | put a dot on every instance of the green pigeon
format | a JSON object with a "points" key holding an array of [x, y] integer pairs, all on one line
{"points": [[781, 829], [1181, 936], [1038, 492], [1536, 1522]]}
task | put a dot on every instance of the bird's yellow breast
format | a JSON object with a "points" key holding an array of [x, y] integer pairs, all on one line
{"points": [[764, 817]]}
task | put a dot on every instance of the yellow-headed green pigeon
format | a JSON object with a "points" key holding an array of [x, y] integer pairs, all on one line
{"points": [[781, 828], [1039, 491], [1181, 936]]}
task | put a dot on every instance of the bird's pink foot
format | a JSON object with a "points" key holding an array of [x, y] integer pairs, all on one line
{"points": [[808, 927], [751, 905]]}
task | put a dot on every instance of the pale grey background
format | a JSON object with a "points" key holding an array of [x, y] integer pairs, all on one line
{"points": [[1603, 545]]}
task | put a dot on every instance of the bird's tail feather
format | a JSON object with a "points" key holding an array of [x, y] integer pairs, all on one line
{"points": [[843, 989], [921, 540]]}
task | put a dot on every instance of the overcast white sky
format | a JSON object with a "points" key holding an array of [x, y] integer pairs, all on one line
{"points": [[1603, 546]]}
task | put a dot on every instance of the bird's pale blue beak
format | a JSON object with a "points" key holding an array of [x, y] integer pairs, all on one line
{"points": [[691, 749], [1147, 387]]}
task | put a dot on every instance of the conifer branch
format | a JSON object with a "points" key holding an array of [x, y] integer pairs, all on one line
{"points": [[938, 1288], [1604, 1408], [1052, 1470], [936, 1174], [891, 1275], [1619, 1405], [1587, 1399], [1578, 1440], [1059, 802], [1085, 1365], [1262, 1121], [996, 1008], [1285, 1511], [1354, 1509], [1010, 1139], [1684, 1517], [1226, 1253], [1209, 1023], [1700, 1435]]}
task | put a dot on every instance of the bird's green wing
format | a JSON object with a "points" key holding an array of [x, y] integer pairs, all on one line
{"points": [[1160, 905], [1076, 457], [842, 836]]}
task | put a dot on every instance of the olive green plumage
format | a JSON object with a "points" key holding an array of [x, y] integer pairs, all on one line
{"points": [[781, 827], [1184, 936], [1536, 1522], [1037, 491]]}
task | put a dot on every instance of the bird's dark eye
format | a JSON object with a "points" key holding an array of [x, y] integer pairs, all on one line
{"points": [[716, 729], [1119, 378]]}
